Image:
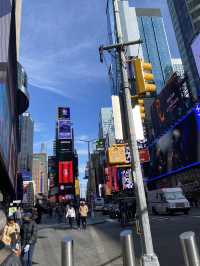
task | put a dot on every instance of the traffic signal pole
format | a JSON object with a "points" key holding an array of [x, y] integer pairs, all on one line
{"points": [[148, 258]]}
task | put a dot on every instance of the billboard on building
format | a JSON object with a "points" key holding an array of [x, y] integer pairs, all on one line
{"points": [[177, 149], [77, 187], [65, 145], [65, 172], [64, 129], [196, 52], [117, 117], [64, 113], [125, 179], [116, 154], [169, 106]]}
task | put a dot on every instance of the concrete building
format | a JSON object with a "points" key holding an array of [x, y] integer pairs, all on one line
{"points": [[177, 66], [185, 18], [39, 173], [106, 125], [26, 152]]}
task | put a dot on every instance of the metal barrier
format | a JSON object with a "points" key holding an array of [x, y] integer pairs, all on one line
{"points": [[67, 252], [190, 249], [128, 255]]}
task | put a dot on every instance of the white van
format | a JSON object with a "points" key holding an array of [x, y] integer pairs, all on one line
{"points": [[99, 204], [168, 200]]}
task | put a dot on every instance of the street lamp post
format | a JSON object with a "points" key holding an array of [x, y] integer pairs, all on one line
{"points": [[89, 171]]}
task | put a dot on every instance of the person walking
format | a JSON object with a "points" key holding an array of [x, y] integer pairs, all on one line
{"points": [[11, 235], [83, 210], [29, 231], [7, 256], [71, 215]]}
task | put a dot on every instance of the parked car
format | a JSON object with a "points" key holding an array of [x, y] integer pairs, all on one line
{"points": [[99, 204], [107, 207]]}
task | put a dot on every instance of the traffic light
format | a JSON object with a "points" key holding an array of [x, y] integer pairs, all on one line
{"points": [[141, 107], [143, 77]]}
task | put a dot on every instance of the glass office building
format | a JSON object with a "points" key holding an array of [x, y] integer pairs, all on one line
{"points": [[146, 24], [155, 45], [185, 31]]}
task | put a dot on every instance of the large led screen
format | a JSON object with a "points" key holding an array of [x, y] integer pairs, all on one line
{"points": [[5, 125], [177, 149], [64, 113], [65, 172], [196, 52], [64, 129]]}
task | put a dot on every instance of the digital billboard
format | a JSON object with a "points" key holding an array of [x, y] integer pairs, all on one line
{"points": [[178, 148], [64, 113], [196, 52], [170, 105], [64, 129], [125, 179], [65, 172]]}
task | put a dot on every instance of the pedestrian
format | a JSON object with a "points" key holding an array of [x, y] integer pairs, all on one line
{"points": [[7, 256], [29, 231], [71, 215], [83, 210], [11, 235]]}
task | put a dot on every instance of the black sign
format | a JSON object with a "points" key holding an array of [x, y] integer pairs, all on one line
{"points": [[172, 103], [64, 113], [177, 149]]}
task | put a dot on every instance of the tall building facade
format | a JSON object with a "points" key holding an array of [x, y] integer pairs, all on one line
{"points": [[177, 66], [14, 99], [26, 151], [147, 25], [106, 125], [186, 24], [39, 173]]}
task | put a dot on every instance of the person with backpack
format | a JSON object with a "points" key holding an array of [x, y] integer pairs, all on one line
{"points": [[29, 231], [83, 210], [7, 256]]}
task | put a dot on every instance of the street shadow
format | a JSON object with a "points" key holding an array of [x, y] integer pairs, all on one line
{"points": [[110, 261], [35, 263], [42, 237]]}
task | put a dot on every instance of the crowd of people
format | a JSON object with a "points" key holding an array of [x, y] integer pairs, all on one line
{"points": [[18, 236], [19, 227]]}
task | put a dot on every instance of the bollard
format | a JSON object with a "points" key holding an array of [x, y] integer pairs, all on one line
{"points": [[190, 249], [127, 248], [67, 252]]}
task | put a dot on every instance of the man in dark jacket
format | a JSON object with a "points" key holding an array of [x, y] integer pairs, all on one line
{"points": [[28, 238], [7, 257]]}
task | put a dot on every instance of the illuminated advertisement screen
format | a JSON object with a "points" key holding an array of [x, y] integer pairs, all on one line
{"points": [[65, 172], [196, 52], [125, 178], [5, 124], [179, 148], [169, 106], [64, 113], [64, 129]]}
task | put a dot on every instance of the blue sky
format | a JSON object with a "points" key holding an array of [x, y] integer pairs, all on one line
{"points": [[59, 50]]}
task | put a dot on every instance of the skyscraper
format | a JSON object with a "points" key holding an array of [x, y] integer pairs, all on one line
{"points": [[26, 152], [147, 25], [39, 173], [177, 66], [185, 18], [106, 125]]}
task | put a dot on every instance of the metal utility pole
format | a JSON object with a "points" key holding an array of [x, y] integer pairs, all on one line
{"points": [[149, 258], [89, 171]]}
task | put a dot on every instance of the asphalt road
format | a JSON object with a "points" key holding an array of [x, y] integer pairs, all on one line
{"points": [[99, 245]]}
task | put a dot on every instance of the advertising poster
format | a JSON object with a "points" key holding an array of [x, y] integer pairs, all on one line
{"points": [[65, 172], [64, 129], [64, 113], [169, 106], [196, 52], [178, 148], [116, 154], [125, 179]]}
